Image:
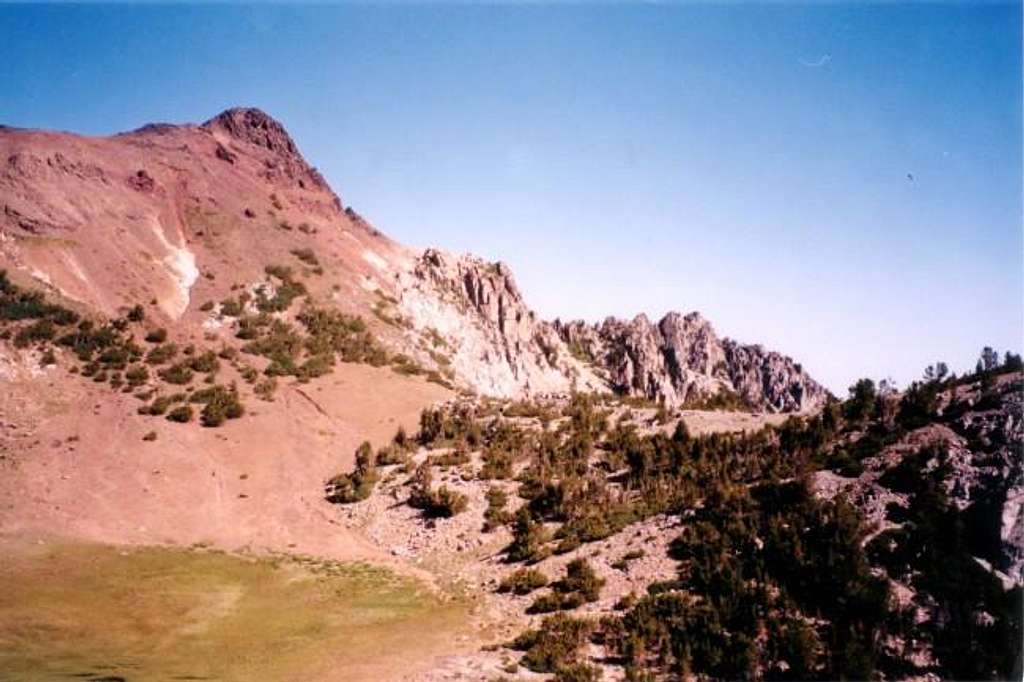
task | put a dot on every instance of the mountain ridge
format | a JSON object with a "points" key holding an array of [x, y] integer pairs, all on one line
{"points": [[158, 213]]}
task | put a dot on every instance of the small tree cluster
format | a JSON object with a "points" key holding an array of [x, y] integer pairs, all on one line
{"points": [[556, 645]]}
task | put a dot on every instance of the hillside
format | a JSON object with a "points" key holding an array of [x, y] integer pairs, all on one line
{"points": [[182, 219], [208, 360], [879, 539]]}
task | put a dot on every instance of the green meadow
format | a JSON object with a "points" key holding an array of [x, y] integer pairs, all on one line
{"points": [[104, 613]]}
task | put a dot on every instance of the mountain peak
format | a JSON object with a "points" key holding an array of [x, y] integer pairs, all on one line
{"points": [[253, 125]]}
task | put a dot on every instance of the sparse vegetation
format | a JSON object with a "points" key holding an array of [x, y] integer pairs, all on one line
{"points": [[180, 414], [355, 486], [523, 581], [496, 514], [556, 645], [286, 290], [439, 502], [219, 404], [306, 255], [162, 354], [179, 374]]}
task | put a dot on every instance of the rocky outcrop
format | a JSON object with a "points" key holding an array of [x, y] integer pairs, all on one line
{"points": [[500, 346], [491, 338], [681, 360], [981, 437], [770, 379]]}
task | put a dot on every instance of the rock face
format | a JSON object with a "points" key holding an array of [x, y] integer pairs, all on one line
{"points": [[502, 348], [496, 344], [681, 360]]}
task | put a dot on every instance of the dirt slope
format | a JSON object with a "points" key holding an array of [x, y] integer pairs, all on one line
{"points": [[75, 464]]}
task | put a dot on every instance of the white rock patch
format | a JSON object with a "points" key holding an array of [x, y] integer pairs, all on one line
{"points": [[41, 276], [182, 264], [375, 260]]}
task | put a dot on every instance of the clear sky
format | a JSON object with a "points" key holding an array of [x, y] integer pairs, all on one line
{"points": [[841, 182]]}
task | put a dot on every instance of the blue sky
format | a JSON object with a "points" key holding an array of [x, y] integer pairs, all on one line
{"points": [[749, 161]]}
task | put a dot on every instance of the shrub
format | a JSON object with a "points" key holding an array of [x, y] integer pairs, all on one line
{"points": [[16, 304], [232, 307], [331, 331], [136, 314], [443, 502], [178, 374], [157, 407], [577, 672], [161, 403], [216, 412], [446, 502], [205, 363], [405, 365], [150, 436], [86, 340], [137, 375], [161, 354], [528, 538], [390, 455], [281, 345], [497, 464], [523, 581], [40, 330], [401, 439], [158, 335], [457, 456], [116, 357], [556, 644], [626, 602], [305, 255], [316, 366], [265, 388], [285, 292], [251, 327], [356, 486], [553, 601], [181, 414], [580, 578], [495, 514], [220, 404]]}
